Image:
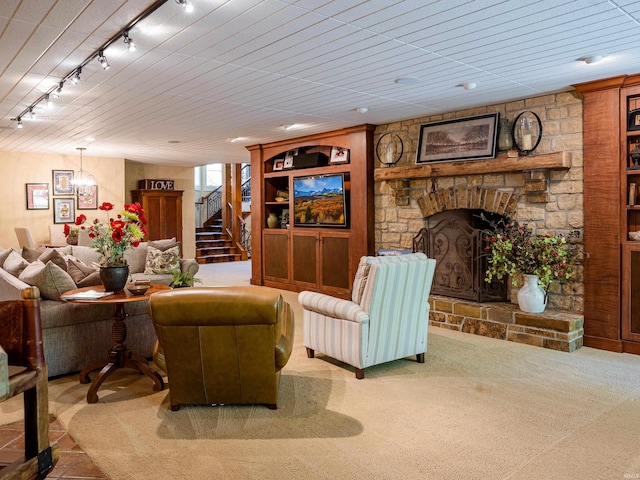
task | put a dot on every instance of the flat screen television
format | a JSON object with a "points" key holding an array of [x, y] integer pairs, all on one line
{"points": [[319, 200]]}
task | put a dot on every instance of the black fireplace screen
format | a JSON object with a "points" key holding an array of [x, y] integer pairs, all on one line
{"points": [[455, 240]]}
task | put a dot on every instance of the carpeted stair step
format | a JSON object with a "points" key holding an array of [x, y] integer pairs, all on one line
{"points": [[224, 257]]}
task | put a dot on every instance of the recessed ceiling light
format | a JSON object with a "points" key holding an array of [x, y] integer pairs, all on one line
{"points": [[361, 109], [407, 80], [174, 141], [235, 139], [592, 59], [89, 139], [288, 126], [468, 85]]}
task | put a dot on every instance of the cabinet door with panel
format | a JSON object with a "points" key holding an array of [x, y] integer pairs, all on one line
{"points": [[163, 209]]}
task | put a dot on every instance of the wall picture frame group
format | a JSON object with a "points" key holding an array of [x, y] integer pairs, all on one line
{"points": [[64, 210], [37, 196], [62, 182], [469, 138], [87, 198]]}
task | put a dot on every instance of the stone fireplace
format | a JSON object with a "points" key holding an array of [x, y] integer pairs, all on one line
{"points": [[544, 190], [455, 240], [436, 210]]}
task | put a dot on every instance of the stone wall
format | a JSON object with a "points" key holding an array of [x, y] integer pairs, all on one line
{"points": [[549, 201]]}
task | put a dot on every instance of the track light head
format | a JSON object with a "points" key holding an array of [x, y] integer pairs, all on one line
{"points": [[103, 60], [19, 122], [75, 79], [188, 7], [56, 93], [128, 42], [32, 113]]}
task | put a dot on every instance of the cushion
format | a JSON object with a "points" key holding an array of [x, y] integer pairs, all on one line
{"points": [[360, 280], [136, 257], [4, 253], [32, 254], [162, 262], [54, 256], [165, 245], [15, 264], [50, 279], [82, 274]]}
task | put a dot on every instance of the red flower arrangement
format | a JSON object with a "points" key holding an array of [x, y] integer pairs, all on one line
{"points": [[114, 237]]}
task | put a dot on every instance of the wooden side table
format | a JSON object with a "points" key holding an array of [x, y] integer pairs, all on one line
{"points": [[120, 355]]}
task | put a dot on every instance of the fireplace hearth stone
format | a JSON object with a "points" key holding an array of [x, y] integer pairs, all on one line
{"points": [[553, 329]]}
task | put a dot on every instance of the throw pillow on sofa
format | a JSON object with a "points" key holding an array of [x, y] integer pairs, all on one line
{"points": [[4, 253], [49, 278], [82, 274], [165, 245], [159, 262], [44, 255], [51, 255], [15, 264]]}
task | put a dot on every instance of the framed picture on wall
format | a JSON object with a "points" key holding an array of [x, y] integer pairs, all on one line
{"points": [[470, 138], [37, 196], [62, 184], [63, 210], [87, 198]]}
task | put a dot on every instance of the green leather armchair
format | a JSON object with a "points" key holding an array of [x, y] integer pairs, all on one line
{"points": [[222, 345]]}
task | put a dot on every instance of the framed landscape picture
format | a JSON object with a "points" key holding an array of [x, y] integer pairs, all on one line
{"points": [[37, 196], [63, 210], [62, 184], [469, 138]]}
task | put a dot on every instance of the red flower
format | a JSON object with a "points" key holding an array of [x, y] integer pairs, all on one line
{"points": [[135, 243], [67, 229], [118, 224], [117, 235], [106, 206], [81, 219]]}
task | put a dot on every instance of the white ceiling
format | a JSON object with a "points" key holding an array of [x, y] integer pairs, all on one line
{"points": [[244, 68]]}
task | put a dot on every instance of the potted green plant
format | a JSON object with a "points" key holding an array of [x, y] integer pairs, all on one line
{"points": [[512, 249], [182, 279]]}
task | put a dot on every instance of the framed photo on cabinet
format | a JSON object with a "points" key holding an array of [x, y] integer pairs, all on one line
{"points": [[63, 210], [37, 196], [288, 158], [339, 155], [62, 182]]}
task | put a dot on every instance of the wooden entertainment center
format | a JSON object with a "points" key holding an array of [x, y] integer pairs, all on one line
{"points": [[299, 257], [612, 210]]}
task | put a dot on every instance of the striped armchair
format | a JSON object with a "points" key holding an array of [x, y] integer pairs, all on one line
{"points": [[386, 319]]}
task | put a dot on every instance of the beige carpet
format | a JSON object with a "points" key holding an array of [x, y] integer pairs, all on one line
{"points": [[478, 408]]}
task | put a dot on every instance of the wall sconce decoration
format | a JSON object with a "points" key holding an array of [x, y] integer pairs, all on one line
{"points": [[389, 149], [527, 132], [505, 140]]}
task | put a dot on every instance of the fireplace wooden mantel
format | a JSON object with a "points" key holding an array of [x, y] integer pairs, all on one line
{"points": [[500, 164]]}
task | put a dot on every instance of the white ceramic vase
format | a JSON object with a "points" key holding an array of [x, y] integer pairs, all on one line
{"points": [[531, 297]]}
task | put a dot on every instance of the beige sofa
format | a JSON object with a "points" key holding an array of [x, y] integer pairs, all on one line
{"points": [[75, 335]]}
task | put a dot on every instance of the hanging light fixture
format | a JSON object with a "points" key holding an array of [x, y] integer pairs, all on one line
{"points": [[83, 182]]}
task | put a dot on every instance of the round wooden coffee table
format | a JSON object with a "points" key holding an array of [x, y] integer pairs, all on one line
{"points": [[120, 356]]}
